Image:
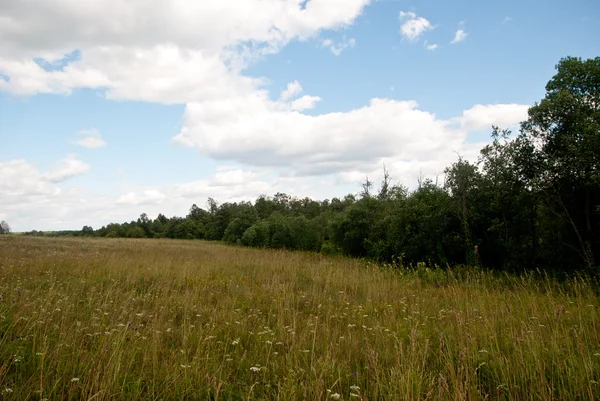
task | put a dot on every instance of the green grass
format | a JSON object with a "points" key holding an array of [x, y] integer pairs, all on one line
{"points": [[158, 319]]}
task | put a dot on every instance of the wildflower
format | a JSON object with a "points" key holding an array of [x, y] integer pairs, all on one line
{"points": [[8, 390], [355, 388], [186, 366], [75, 379], [335, 396], [255, 369], [235, 342], [354, 395]]}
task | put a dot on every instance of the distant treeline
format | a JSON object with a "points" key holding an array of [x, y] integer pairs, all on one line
{"points": [[531, 201]]}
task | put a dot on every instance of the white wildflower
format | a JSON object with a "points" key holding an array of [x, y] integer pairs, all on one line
{"points": [[335, 396]]}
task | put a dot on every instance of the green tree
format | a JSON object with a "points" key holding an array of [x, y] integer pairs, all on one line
{"points": [[563, 130], [257, 235], [462, 179], [136, 232]]}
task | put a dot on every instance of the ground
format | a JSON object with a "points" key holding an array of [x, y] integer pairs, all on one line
{"points": [[163, 319]]}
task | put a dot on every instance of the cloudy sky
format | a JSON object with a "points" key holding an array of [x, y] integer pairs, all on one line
{"points": [[111, 108]]}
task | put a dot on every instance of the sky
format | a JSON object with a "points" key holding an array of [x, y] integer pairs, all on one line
{"points": [[111, 108]]}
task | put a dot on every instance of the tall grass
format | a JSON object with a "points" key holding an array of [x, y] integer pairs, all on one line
{"points": [[158, 319]]}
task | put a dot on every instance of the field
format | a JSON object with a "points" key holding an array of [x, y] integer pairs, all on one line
{"points": [[172, 320]]}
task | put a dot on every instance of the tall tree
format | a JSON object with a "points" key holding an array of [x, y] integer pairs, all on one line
{"points": [[564, 131]]}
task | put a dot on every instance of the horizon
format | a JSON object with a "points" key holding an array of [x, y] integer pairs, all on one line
{"points": [[110, 109]]}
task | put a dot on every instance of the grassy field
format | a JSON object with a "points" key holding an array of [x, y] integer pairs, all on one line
{"points": [[159, 319]]}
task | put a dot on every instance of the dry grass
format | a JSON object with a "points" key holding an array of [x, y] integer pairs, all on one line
{"points": [[159, 319]]}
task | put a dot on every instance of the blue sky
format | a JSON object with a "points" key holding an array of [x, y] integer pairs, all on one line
{"points": [[110, 109]]}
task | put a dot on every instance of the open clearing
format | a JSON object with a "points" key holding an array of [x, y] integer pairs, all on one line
{"points": [[163, 319]]}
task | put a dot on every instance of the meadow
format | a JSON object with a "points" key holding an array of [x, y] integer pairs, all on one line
{"points": [[192, 320]]}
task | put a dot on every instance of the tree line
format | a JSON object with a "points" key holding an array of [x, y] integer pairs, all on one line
{"points": [[532, 200]]}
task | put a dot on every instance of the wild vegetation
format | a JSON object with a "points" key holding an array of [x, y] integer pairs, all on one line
{"points": [[129, 319], [532, 201], [111, 318]]}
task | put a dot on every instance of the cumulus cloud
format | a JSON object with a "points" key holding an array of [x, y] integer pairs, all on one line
{"points": [[459, 36], [484, 116], [22, 181], [91, 139], [263, 134], [288, 100], [413, 26], [338, 47], [180, 51], [293, 89], [65, 169]]}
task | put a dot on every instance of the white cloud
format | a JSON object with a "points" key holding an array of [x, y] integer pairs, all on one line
{"points": [[413, 26], [338, 48], [293, 89], [305, 103], [92, 139], [180, 51], [22, 181], [264, 134], [291, 92], [481, 116], [459, 36], [506, 20], [65, 169], [430, 46]]}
